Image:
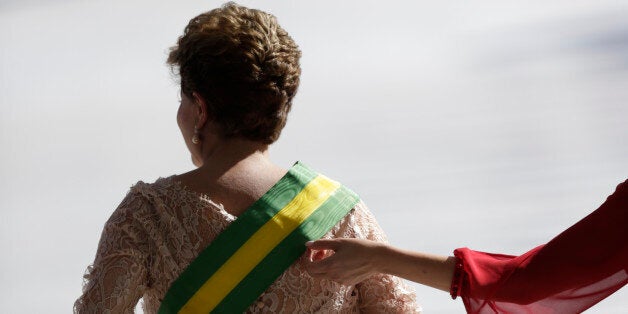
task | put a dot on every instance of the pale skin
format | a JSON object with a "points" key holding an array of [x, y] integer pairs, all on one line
{"points": [[234, 172], [354, 260]]}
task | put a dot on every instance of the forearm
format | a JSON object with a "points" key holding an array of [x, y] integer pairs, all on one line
{"points": [[428, 269], [355, 260]]}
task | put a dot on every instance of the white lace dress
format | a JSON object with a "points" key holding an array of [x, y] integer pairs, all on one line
{"points": [[160, 228]]}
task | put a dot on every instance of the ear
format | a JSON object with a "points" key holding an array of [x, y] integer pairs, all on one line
{"points": [[201, 110]]}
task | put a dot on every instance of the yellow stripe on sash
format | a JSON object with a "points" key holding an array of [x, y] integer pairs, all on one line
{"points": [[253, 251]]}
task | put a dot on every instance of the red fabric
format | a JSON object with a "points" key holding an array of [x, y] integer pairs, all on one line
{"points": [[575, 270]]}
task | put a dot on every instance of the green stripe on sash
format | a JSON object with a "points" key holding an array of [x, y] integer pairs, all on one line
{"points": [[262, 215], [282, 256]]}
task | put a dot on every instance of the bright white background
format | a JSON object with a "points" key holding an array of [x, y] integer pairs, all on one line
{"points": [[487, 124]]}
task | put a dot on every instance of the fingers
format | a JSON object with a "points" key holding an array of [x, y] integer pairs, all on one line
{"points": [[332, 269], [318, 255], [331, 244], [329, 270], [319, 267]]}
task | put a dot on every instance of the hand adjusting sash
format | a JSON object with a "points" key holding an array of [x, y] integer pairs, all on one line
{"points": [[248, 256]]}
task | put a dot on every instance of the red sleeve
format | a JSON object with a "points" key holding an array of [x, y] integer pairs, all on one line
{"points": [[580, 267]]}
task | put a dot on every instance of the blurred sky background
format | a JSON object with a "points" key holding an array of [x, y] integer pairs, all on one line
{"points": [[488, 124]]}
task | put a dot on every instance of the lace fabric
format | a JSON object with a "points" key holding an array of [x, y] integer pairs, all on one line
{"points": [[159, 228]]}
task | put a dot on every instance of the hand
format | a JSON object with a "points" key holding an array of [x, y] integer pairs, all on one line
{"points": [[352, 260]]}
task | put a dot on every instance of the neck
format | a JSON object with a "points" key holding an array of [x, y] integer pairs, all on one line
{"points": [[221, 155], [233, 173]]}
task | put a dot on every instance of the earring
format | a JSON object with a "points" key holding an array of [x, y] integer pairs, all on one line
{"points": [[195, 138]]}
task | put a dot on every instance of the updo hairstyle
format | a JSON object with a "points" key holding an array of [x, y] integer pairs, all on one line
{"points": [[245, 67]]}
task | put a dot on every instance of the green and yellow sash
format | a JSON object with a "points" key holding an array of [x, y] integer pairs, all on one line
{"points": [[246, 258]]}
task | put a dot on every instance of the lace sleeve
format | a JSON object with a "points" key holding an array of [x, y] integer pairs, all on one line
{"points": [[118, 277], [381, 293]]}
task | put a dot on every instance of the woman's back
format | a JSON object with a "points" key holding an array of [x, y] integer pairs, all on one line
{"points": [[159, 228], [234, 185], [239, 71]]}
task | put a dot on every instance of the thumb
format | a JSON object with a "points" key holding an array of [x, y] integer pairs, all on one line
{"points": [[323, 244]]}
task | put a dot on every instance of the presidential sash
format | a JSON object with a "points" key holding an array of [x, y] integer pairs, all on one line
{"points": [[248, 256]]}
